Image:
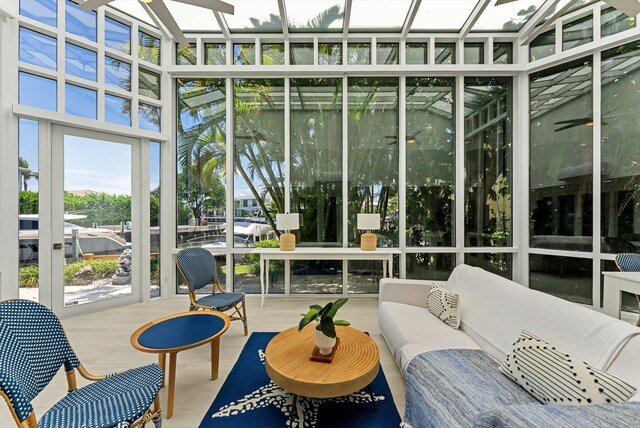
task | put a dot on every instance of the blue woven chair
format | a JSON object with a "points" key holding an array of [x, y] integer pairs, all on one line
{"points": [[198, 267], [629, 262], [33, 347]]}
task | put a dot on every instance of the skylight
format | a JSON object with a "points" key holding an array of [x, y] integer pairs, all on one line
{"points": [[315, 15]]}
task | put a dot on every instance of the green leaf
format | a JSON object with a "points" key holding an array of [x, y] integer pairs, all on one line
{"points": [[335, 306], [325, 310], [341, 322], [327, 327], [316, 307], [310, 316]]}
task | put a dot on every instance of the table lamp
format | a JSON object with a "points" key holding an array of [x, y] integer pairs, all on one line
{"points": [[368, 222], [287, 222]]}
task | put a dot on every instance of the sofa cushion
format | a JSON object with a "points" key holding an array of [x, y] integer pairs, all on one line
{"points": [[622, 415], [410, 331], [554, 377], [451, 388], [444, 305]]}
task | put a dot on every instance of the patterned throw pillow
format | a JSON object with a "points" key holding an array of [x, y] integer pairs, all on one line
{"points": [[554, 377], [444, 305]]}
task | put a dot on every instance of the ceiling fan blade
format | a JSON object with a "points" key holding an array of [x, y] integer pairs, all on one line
{"points": [[499, 2], [215, 5], [573, 125], [628, 7], [162, 12], [93, 4], [578, 120]]}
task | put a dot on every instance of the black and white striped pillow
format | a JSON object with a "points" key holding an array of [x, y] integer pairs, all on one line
{"points": [[444, 305], [554, 377]]}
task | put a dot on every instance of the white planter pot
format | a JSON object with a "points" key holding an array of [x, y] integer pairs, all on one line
{"points": [[324, 343]]}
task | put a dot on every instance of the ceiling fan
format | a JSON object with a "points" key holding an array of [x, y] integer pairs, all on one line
{"points": [[587, 121], [411, 138], [628, 7], [160, 10]]}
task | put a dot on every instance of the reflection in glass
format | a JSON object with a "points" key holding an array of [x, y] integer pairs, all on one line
{"points": [[97, 228], [148, 84], [566, 277], [315, 15], [577, 33], [28, 273], [148, 48], [430, 266], [186, 55], [620, 163], [272, 53], [430, 148], [316, 277], [117, 110], [201, 184], [488, 159], [80, 22], [373, 161], [215, 54], [301, 53], [45, 11], [255, 16], [117, 73], [80, 62], [561, 158], [445, 53], [244, 53], [81, 101], [628, 301], [117, 35], [36, 91], [498, 263], [387, 53], [38, 49], [474, 53], [154, 219], [613, 21], [416, 53], [507, 17], [149, 117], [543, 46], [258, 152], [359, 53], [316, 160], [330, 53], [503, 53]]}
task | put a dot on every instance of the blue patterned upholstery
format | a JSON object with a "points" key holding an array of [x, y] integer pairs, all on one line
{"points": [[198, 267], [123, 397], [33, 347], [220, 301], [628, 262]]}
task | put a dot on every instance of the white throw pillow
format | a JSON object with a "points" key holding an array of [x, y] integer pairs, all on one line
{"points": [[554, 377], [444, 304]]}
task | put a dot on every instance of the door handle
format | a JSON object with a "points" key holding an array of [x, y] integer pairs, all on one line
{"points": [[57, 246]]}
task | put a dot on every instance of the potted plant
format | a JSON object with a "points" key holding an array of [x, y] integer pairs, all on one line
{"points": [[326, 327]]}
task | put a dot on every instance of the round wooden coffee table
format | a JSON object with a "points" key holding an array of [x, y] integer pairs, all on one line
{"points": [[354, 366]]}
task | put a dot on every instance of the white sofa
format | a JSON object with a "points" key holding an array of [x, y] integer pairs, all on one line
{"points": [[493, 312]]}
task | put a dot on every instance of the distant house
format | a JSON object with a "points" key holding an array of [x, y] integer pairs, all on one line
{"points": [[246, 207]]}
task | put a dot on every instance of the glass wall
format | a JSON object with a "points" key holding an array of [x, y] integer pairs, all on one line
{"points": [[430, 154], [154, 219]]}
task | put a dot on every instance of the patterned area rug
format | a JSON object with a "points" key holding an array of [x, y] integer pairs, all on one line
{"points": [[248, 398]]}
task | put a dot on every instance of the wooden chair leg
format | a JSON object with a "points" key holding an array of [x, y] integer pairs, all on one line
{"points": [[244, 317]]}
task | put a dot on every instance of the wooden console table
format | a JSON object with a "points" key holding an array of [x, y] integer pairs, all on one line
{"points": [[314, 253], [614, 284]]}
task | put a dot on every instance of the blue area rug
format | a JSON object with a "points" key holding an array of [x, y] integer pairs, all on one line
{"points": [[248, 398]]}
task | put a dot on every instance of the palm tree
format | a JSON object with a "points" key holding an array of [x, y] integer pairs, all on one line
{"points": [[25, 173]]}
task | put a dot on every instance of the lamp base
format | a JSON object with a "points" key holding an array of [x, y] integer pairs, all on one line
{"points": [[287, 242], [368, 241]]}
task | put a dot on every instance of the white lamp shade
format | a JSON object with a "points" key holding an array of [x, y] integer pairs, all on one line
{"points": [[368, 221], [287, 221]]}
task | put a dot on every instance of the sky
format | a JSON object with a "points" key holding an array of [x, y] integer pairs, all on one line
{"points": [[97, 165]]}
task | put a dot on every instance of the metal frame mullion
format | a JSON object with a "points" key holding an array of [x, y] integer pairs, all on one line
{"points": [[597, 176], [229, 184], [402, 175], [459, 182]]}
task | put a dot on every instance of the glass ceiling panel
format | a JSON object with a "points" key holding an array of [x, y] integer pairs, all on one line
{"points": [[442, 15], [315, 15], [378, 15], [578, 5], [255, 16], [507, 17], [189, 18]]}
